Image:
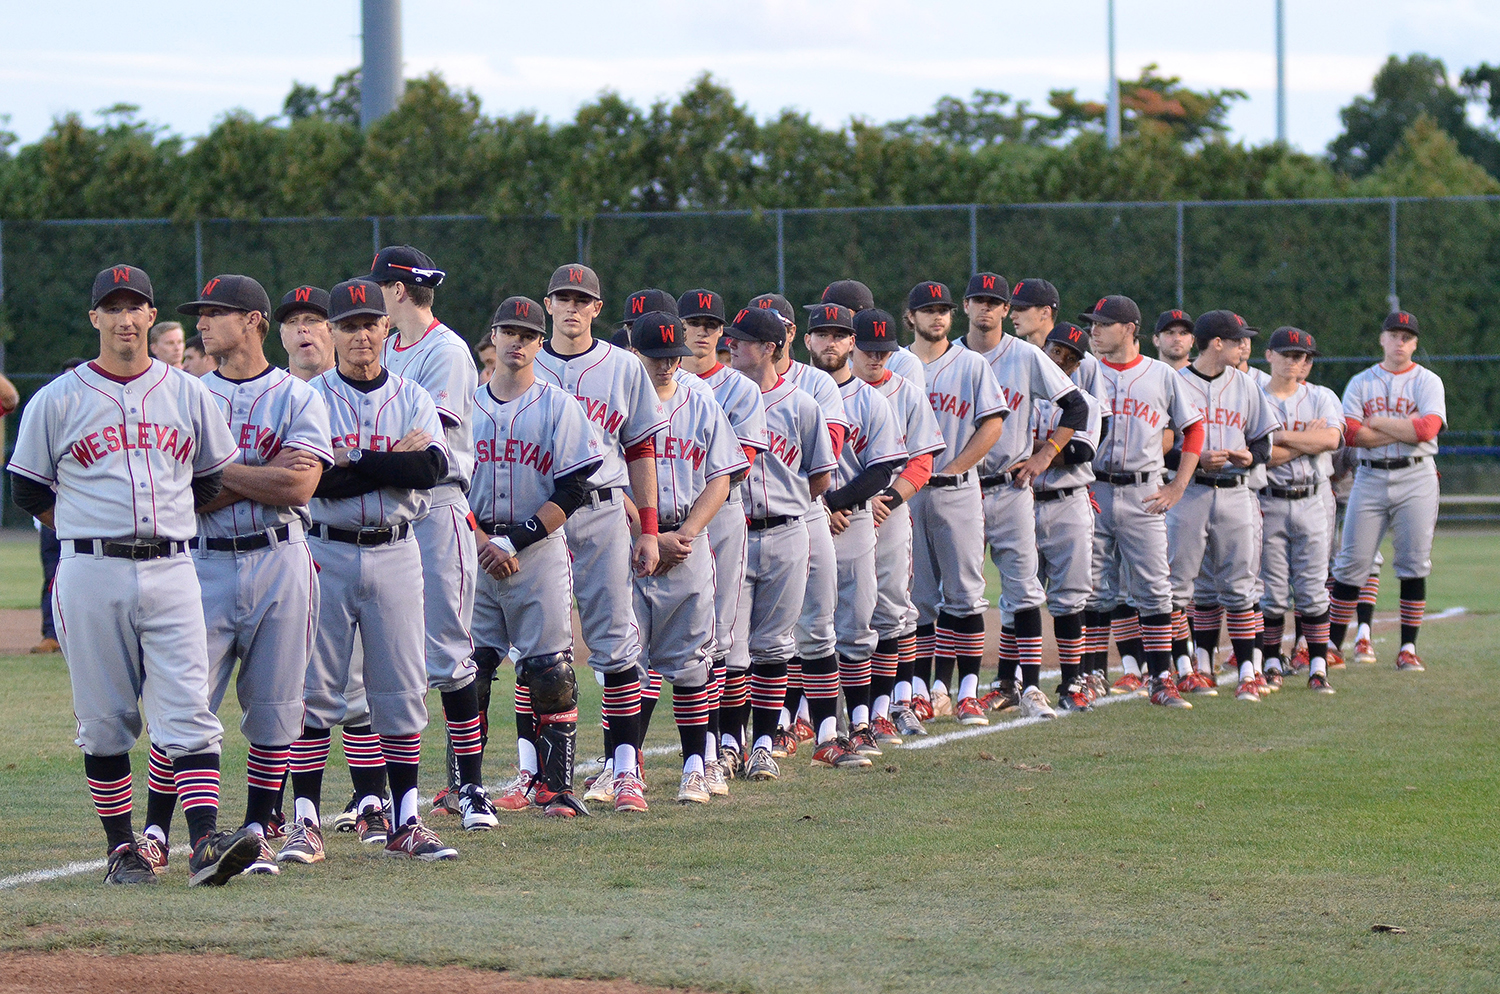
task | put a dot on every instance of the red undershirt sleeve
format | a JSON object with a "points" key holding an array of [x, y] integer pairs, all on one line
{"points": [[644, 449], [750, 453], [836, 433], [1192, 438], [918, 471], [1427, 427], [1351, 426]]}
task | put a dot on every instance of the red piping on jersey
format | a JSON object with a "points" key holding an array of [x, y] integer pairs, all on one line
{"points": [[1192, 438], [1118, 366], [644, 449], [836, 433], [402, 348], [1427, 427], [918, 471]]}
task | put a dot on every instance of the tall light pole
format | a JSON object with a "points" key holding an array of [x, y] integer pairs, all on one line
{"points": [[1281, 71], [1112, 112], [380, 74]]}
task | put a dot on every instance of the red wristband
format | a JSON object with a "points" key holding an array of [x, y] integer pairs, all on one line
{"points": [[648, 520]]}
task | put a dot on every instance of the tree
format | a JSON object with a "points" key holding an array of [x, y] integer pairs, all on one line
{"points": [[340, 104], [1150, 105], [1426, 162]]}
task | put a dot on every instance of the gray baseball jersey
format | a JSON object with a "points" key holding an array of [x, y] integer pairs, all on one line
{"points": [[1025, 376], [122, 457], [895, 614], [797, 446], [1308, 403], [1045, 416], [821, 387], [1296, 531], [1144, 396], [617, 397], [962, 390], [441, 364], [904, 363]]}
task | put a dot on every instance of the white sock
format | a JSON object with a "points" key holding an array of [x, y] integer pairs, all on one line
{"points": [[694, 764], [1184, 665], [968, 686], [902, 693], [1205, 660], [369, 801], [1317, 666], [1257, 654], [1247, 670], [882, 706], [918, 688], [710, 749], [938, 687], [1131, 666], [1362, 632], [526, 756], [303, 809], [729, 741], [860, 715], [255, 828], [784, 720], [802, 712], [626, 760], [1029, 689], [156, 833], [827, 729], [1408, 647], [1273, 664], [764, 742], [408, 807]]}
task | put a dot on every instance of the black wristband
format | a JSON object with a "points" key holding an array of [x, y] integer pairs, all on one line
{"points": [[896, 500], [528, 533]]}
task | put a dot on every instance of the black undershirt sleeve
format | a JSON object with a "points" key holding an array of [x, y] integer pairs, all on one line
{"points": [[206, 488], [337, 483], [36, 499], [1075, 410], [871, 481], [1077, 451], [1260, 450], [403, 470]]}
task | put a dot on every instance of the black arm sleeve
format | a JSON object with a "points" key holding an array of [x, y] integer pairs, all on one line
{"points": [[1103, 428], [870, 481], [1260, 450], [36, 499], [1077, 451], [403, 470], [338, 482], [568, 492], [206, 488], [1075, 410], [1172, 458]]}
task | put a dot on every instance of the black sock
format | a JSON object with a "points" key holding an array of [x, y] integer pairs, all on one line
{"points": [[261, 800], [160, 803], [369, 781], [1413, 605], [624, 728], [1157, 628], [202, 819], [309, 783], [1066, 629], [1093, 659], [1244, 650], [104, 775], [1337, 630], [403, 778], [823, 674], [922, 663], [1029, 646], [1297, 637], [964, 629], [460, 710], [648, 708]]}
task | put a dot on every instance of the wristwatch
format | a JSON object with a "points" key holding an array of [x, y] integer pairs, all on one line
{"points": [[355, 455]]}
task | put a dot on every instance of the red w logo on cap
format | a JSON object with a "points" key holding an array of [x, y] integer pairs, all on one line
{"points": [[1296, 337], [120, 274], [934, 290], [208, 287], [637, 305], [1075, 335], [523, 309], [357, 293], [830, 312], [877, 328], [988, 282], [1405, 316], [302, 294], [1178, 315], [1100, 305], [668, 332], [741, 315], [705, 300], [575, 276]]}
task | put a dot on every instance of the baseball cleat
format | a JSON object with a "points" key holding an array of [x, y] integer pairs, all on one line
{"points": [[922, 708], [906, 720], [1319, 682], [606, 771], [221, 856], [731, 762], [372, 826], [445, 802], [1408, 660], [1300, 659], [344, 821], [885, 731], [1230, 663], [276, 826], [128, 866], [783, 744], [1364, 651], [1164, 694], [474, 804], [1335, 657], [971, 712], [152, 851], [862, 740], [803, 731], [1247, 690], [1073, 698], [714, 780], [1098, 686], [693, 789], [1130, 683], [602, 790], [630, 793], [761, 765], [839, 754], [1004, 699], [516, 795], [1034, 704], [1263, 686], [1274, 679], [304, 844], [564, 805], [264, 863], [415, 840], [942, 705]]}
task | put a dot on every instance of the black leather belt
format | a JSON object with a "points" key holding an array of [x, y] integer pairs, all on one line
{"points": [[602, 495], [111, 549], [1218, 482], [662, 527], [495, 529], [1401, 463], [949, 481], [998, 480], [364, 536], [1125, 479], [1289, 493], [1046, 495], [774, 521], [242, 543]]}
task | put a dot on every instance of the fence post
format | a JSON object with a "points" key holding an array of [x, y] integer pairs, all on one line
{"points": [[1180, 213], [1392, 299], [780, 251], [375, 233], [973, 238], [198, 252]]}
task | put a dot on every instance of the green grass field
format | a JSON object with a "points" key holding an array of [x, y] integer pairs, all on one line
{"points": [[1234, 847]]}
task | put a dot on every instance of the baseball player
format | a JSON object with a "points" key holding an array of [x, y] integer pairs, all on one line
{"points": [[1215, 528], [697, 455], [535, 455], [816, 638], [622, 407], [1006, 474], [1174, 338], [433, 355], [1064, 516], [1034, 305], [1144, 394], [895, 616], [702, 312], [781, 487], [388, 450], [484, 351], [1296, 528], [947, 552], [168, 341], [196, 361], [874, 452], [857, 297], [260, 588], [115, 455], [1393, 412]]}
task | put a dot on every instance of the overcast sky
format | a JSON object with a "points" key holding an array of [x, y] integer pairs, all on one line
{"points": [[185, 63]]}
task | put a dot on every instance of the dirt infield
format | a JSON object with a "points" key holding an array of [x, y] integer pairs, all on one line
{"points": [[178, 973], [19, 630]]}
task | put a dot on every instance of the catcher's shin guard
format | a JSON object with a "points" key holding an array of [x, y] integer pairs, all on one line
{"points": [[554, 702]]}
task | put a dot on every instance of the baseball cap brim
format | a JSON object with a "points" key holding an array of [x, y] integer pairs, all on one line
{"points": [[123, 289], [287, 310], [883, 345], [194, 307], [356, 312], [666, 352]]}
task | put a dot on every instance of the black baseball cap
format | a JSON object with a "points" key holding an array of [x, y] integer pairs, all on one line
{"points": [[231, 291], [355, 297], [1400, 321], [519, 312], [875, 331], [121, 277], [851, 293], [621, 338], [659, 335], [1221, 324], [1114, 309], [988, 285], [575, 276], [831, 317], [757, 324], [1068, 334], [701, 304], [929, 293], [1034, 291], [404, 264], [1166, 319], [646, 301], [1289, 339], [775, 302], [303, 298]]}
